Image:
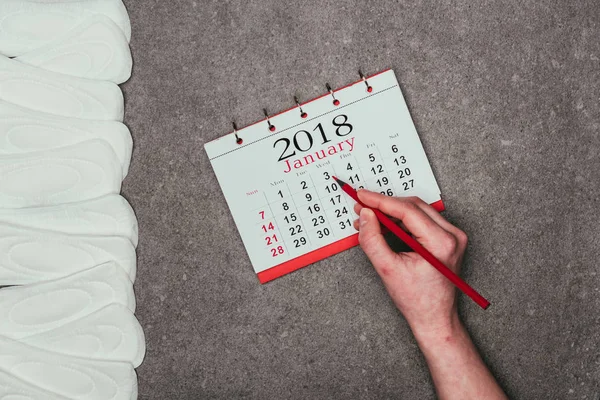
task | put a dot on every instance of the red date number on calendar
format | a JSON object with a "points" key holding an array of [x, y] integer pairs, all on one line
{"points": [[277, 251]]}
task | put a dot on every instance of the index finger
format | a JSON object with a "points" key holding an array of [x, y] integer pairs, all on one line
{"points": [[421, 225]]}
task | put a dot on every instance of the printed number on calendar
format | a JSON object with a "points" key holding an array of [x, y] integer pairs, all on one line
{"points": [[345, 224], [337, 199], [271, 239], [322, 233], [294, 230], [300, 242], [277, 251]]}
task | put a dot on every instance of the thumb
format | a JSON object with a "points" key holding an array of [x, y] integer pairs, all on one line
{"points": [[371, 240]]}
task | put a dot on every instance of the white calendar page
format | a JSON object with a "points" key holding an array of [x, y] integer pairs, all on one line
{"points": [[278, 180]]}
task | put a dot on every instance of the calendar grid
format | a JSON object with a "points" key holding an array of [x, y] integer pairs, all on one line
{"points": [[362, 174], [346, 204], [397, 184], [321, 200], [344, 197], [385, 171], [367, 176], [270, 209], [299, 215], [343, 204]]}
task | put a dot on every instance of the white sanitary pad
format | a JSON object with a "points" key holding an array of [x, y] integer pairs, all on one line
{"points": [[59, 94], [109, 215], [33, 309], [12, 388], [24, 131], [96, 49], [112, 333], [26, 25], [79, 172], [31, 256], [72, 377]]}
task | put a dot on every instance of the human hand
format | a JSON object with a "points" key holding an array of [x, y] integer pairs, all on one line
{"points": [[426, 298]]}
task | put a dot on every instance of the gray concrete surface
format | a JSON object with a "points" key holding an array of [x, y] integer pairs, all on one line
{"points": [[505, 95]]}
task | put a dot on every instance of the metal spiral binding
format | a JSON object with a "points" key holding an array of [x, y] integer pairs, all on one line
{"points": [[271, 126], [238, 139], [336, 102], [303, 114], [369, 88]]}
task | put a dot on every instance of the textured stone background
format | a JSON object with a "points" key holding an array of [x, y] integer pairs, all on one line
{"points": [[505, 96]]}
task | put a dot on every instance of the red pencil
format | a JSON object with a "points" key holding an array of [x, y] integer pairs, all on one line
{"points": [[416, 246]]}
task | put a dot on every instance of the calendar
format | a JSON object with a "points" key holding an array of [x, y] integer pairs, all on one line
{"points": [[276, 175]]}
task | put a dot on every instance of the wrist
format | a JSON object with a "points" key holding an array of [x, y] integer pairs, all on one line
{"points": [[433, 335]]}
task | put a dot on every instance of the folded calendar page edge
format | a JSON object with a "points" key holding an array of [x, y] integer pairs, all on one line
{"points": [[319, 254]]}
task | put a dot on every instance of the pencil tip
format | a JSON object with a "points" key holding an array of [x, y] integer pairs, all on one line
{"points": [[341, 182]]}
